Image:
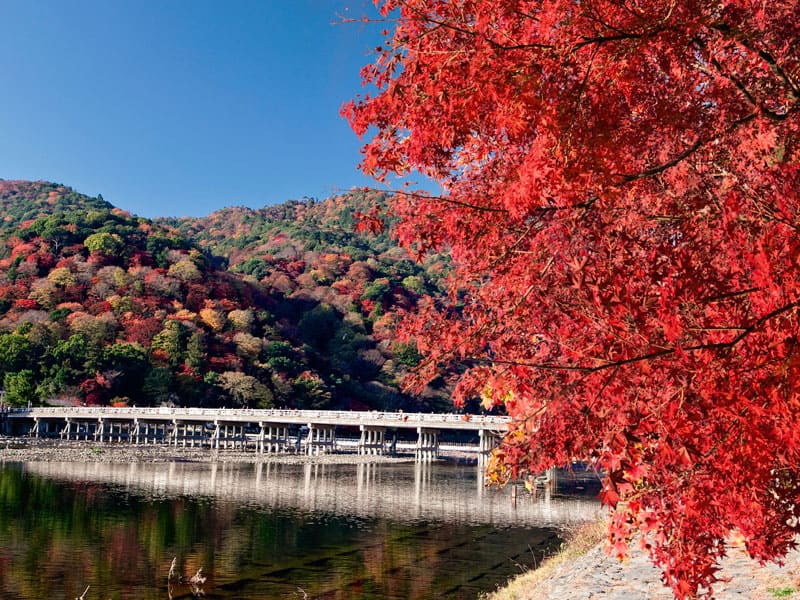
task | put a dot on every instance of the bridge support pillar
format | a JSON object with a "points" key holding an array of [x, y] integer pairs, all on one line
{"points": [[321, 439], [488, 441], [215, 436], [272, 438], [172, 439], [373, 440], [227, 435], [66, 431], [427, 444]]}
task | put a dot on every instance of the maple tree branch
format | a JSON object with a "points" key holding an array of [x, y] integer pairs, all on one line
{"points": [[778, 70], [460, 203], [587, 41], [603, 39], [727, 31], [513, 247], [743, 89], [728, 295], [629, 177], [444, 199], [744, 332], [471, 33]]}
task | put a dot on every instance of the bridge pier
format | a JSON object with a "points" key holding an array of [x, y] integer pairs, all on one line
{"points": [[487, 441], [321, 439], [272, 438], [195, 432], [67, 426], [147, 432], [373, 440], [187, 433], [228, 435], [427, 448], [67, 432]]}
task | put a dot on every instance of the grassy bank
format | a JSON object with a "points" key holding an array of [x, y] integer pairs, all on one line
{"points": [[577, 542]]}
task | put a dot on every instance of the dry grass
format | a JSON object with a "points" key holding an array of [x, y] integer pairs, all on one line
{"points": [[577, 543]]}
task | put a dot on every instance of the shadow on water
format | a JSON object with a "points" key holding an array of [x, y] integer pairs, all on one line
{"points": [[267, 530]]}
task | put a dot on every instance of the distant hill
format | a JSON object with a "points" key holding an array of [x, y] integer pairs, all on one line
{"points": [[281, 306], [21, 201]]}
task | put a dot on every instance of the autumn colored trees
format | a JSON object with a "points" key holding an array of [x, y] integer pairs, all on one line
{"points": [[620, 198], [280, 306]]}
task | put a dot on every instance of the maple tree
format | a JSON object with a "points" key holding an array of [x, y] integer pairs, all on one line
{"points": [[620, 199]]}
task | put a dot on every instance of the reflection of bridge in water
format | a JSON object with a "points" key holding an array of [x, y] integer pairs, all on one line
{"points": [[397, 491], [262, 431]]}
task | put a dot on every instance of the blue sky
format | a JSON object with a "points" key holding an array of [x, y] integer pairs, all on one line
{"points": [[181, 107]]}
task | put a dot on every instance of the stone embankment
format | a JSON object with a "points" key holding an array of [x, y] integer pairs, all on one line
{"points": [[594, 575]]}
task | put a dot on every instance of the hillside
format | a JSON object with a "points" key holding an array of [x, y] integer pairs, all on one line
{"points": [[282, 306], [22, 201]]}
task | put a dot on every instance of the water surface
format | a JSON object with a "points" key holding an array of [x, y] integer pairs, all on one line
{"points": [[270, 530]]}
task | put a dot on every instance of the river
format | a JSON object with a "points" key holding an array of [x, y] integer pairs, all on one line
{"points": [[269, 530]]}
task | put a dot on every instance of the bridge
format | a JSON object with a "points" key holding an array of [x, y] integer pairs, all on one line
{"points": [[258, 430]]}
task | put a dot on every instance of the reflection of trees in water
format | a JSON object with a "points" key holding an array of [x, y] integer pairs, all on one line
{"points": [[274, 526]]}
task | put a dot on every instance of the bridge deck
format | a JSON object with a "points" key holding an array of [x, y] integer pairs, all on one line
{"points": [[308, 431], [399, 420]]}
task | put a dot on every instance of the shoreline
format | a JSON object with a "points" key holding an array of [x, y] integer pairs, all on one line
{"points": [[582, 570], [15, 449]]}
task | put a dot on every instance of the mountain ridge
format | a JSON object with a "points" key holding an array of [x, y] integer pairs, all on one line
{"points": [[279, 306]]}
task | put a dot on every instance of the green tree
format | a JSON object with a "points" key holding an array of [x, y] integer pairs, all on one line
{"points": [[157, 385], [69, 357], [407, 353], [311, 392], [16, 353], [318, 325], [171, 340], [196, 351], [109, 244], [20, 388], [131, 361]]}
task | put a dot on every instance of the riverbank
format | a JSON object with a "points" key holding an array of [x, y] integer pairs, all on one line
{"points": [[582, 570], [32, 450]]}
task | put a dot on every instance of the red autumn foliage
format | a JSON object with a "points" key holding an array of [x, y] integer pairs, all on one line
{"points": [[26, 303], [620, 199]]}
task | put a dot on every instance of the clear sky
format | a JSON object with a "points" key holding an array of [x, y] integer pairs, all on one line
{"points": [[181, 107]]}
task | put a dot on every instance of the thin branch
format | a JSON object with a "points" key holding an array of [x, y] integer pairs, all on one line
{"points": [[472, 33], [745, 331], [603, 39], [766, 56], [728, 295], [751, 99], [444, 199], [627, 178]]}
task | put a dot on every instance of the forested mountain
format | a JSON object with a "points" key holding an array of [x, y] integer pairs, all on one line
{"points": [[282, 306]]}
